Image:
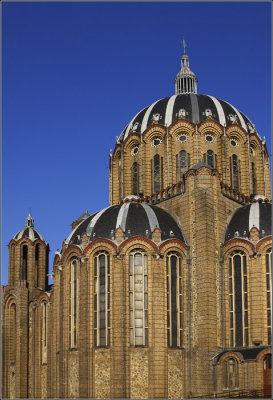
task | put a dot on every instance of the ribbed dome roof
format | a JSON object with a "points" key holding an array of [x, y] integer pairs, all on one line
{"points": [[194, 107], [244, 218], [135, 219], [28, 232]]}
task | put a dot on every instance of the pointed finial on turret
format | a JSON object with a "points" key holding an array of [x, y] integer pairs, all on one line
{"points": [[29, 221], [184, 45]]}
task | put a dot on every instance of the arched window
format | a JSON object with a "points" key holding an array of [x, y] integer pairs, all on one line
{"points": [[37, 254], [254, 182], [24, 262], [138, 293], [44, 332], [174, 300], [231, 374], [135, 178], [73, 303], [234, 172], [268, 294], [238, 299], [12, 332], [210, 158], [157, 173], [102, 299], [182, 164]]}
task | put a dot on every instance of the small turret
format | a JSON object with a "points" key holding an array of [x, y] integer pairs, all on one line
{"points": [[29, 221], [185, 81], [28, 257]]}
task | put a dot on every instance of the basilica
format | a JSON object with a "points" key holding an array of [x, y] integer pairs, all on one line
{"points": [[167, 292]]}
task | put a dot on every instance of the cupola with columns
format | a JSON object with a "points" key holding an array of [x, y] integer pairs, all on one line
{"points": [[185, 81]]}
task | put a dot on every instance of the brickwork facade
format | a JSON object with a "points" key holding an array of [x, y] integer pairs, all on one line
{"points": [[193, 318]]}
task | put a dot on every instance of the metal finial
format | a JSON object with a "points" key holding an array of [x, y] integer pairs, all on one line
{"points": [[184, 45]]}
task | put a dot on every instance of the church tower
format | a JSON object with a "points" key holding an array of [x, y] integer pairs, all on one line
{"points": [[28, 269]]}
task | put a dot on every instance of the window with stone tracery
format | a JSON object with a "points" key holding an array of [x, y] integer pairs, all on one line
{"points": [[102, 299], [234, 172], [135, 178], [268, 295], [253, 175], [182, 164], [73, 303], [156, 173], [238, 299], [174, 300], [138, 298]]}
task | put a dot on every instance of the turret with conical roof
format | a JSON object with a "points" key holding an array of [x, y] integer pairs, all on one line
{"points": [[185, 81]]}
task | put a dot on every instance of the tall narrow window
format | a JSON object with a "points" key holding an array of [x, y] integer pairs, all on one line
{"points": [[235, 172], [12, 330], [268, 294], [174, 300], [11, 264], [102, 299], [74, 302], [36, 272], [135, 178], [24, 262], [138, 292], [157, 178], [44, 332], [238, 299], [254, 182], [210, 160], [182, 164], [231, 374]]}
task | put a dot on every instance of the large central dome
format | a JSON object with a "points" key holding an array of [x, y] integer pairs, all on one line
{"points": [[191, 106], [188, 104]]}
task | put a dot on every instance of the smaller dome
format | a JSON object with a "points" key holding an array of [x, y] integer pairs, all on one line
{"points": [[256, 215], [135, 219], [28, 232]]}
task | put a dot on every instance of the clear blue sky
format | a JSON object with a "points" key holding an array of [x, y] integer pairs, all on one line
{"points": [[74, 74]]}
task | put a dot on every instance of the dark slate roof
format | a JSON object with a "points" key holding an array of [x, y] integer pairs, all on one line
{"points": [[247, 353], [196, 108], [29, 233], [244, 218], [135, 219]]}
